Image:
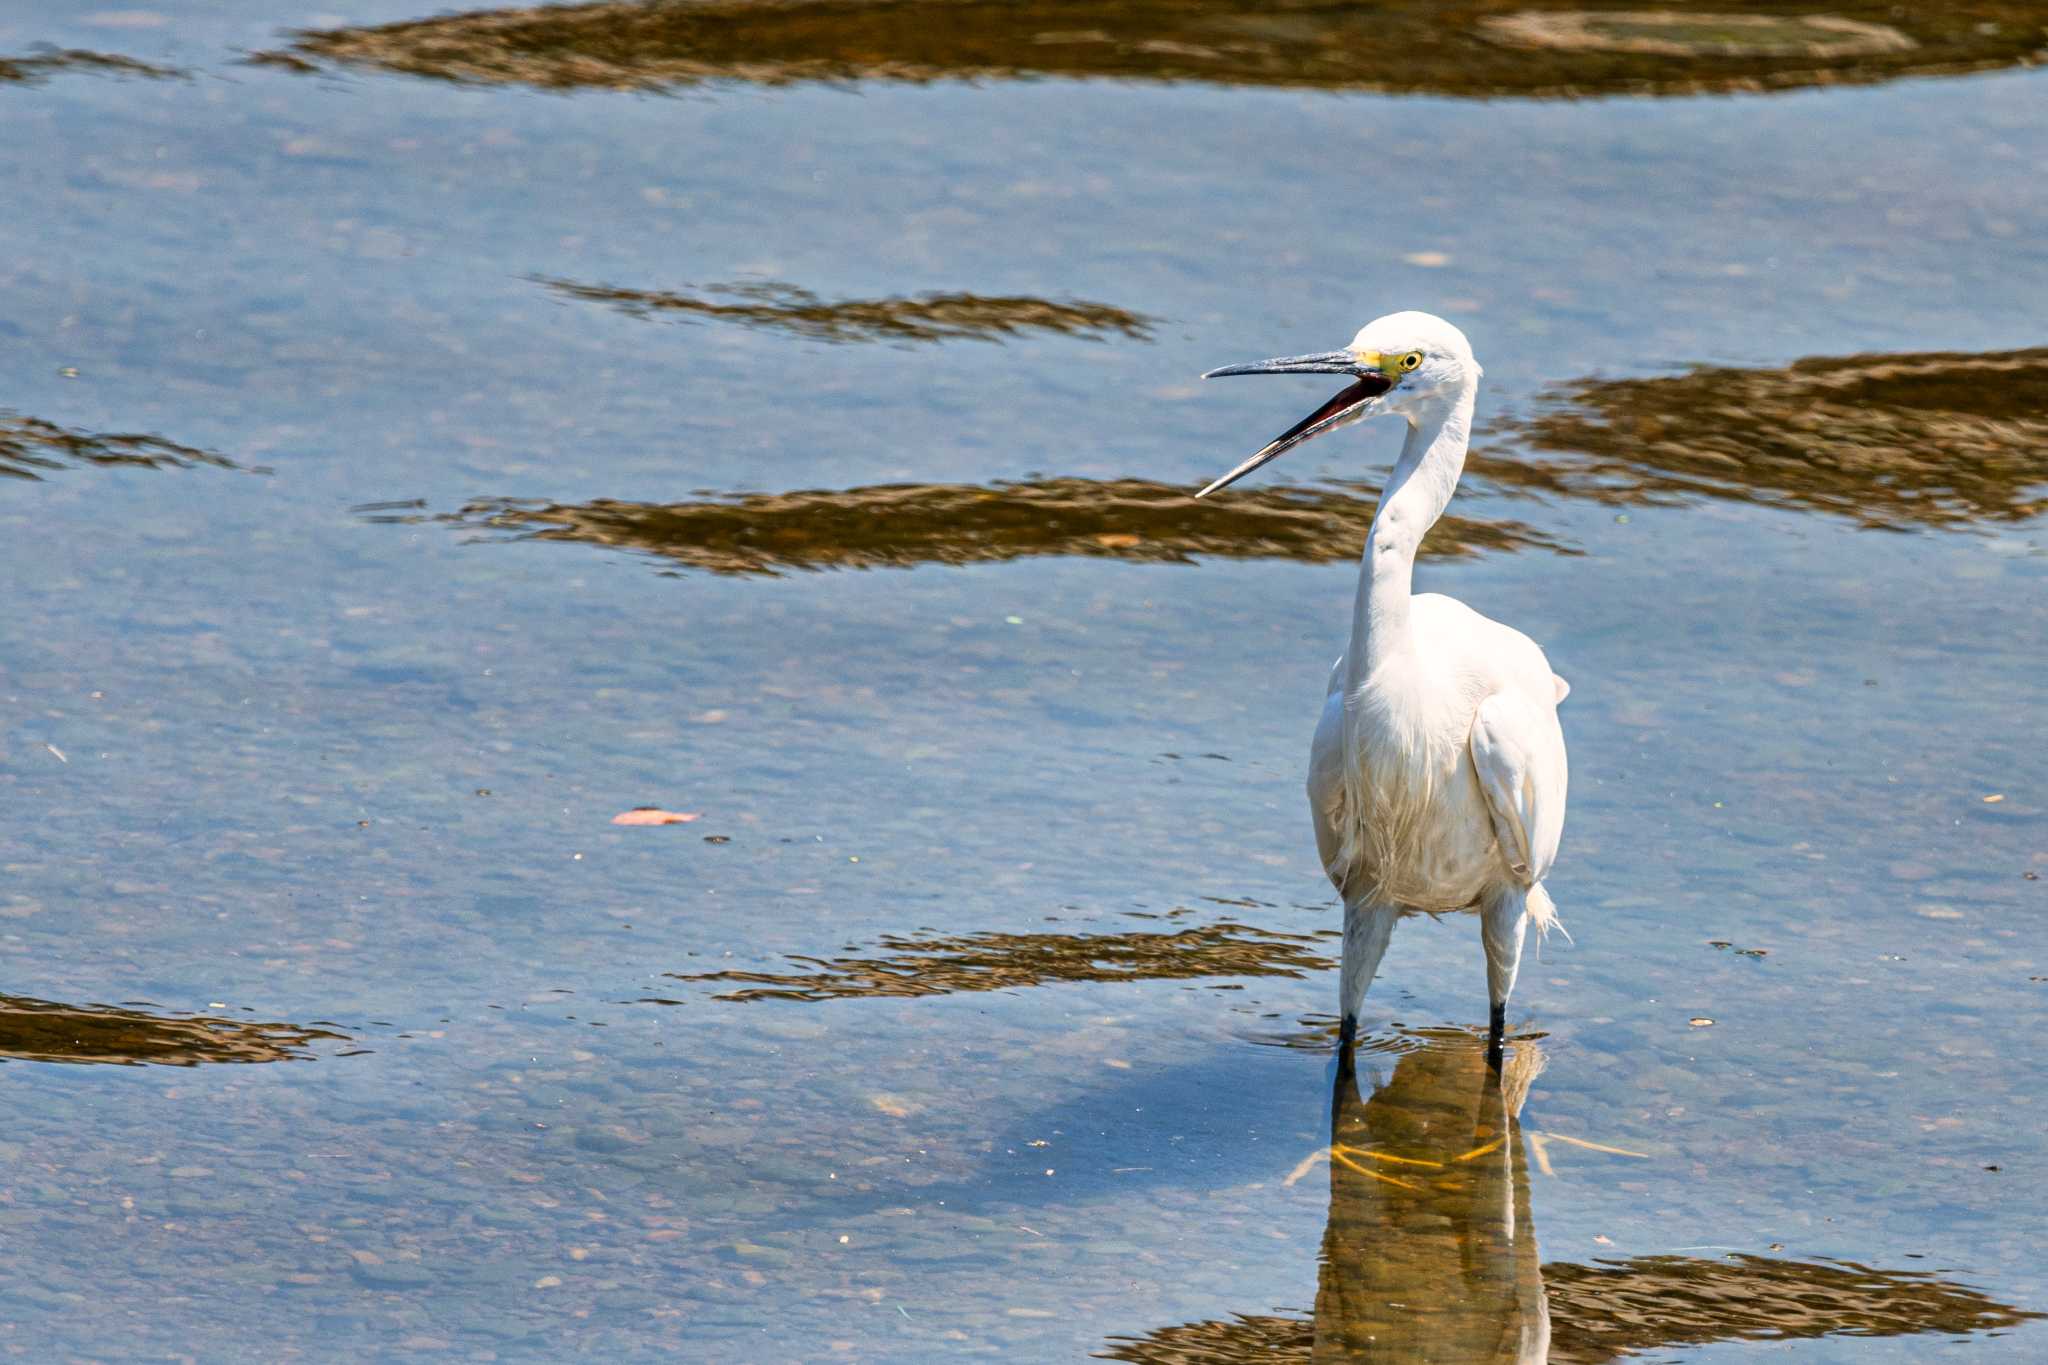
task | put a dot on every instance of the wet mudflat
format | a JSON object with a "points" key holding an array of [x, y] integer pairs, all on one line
{"points": [[426, 437]]}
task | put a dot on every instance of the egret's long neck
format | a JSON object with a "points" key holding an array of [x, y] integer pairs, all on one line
{"points": [[1416, 494]]}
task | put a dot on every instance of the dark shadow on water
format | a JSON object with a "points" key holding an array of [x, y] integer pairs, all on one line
{"points": [[1430, 1252], [995, 961], [773, 305], [43, 1031], [1539, 48], [40, 64], [1889, 441], [903, 525], [31, 447]]}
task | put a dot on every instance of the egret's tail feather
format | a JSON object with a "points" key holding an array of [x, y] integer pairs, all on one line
{"points": [[1543, 912]]}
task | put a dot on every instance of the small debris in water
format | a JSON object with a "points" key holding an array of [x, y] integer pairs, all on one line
{"points": [[1701, 1022], [654, 815], [1994, 798]]}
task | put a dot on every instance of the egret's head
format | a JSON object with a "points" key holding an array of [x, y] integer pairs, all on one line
{"points": [[1407, 364]]}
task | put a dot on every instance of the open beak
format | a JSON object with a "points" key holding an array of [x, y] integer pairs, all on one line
{"points": [[1354, 402]]}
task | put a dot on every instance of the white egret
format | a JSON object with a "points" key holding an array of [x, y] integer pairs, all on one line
{"points": [[1437, 777]]}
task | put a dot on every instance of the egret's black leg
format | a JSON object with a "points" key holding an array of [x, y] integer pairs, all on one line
{"points": [[1503, 924], [1347, 1034], [1367, 928]]}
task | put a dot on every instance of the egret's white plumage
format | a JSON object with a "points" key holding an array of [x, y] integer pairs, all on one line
{"points": [[1437, 777]]}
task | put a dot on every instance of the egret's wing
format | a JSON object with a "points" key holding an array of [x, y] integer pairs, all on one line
{"points": [[1518, 752], [1326, 786]]}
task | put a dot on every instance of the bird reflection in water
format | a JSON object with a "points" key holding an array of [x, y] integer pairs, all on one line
{"points": [[1430, 1252]]}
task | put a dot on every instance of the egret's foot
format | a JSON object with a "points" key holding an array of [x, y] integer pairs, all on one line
{"points": [[1496, 1032]]}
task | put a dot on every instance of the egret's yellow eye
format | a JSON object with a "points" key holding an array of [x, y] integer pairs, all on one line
{"points": [[1409, 361]]}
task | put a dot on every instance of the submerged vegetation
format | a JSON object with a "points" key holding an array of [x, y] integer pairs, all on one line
{"points": [[1472, 48], [1943, 439], [43, 1031], [31, 447], [902, 525], [994, 961], [773, 305], [40, 65], [1611, 1310]]}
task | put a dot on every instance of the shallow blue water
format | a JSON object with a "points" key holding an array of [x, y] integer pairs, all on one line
{"points": [[271, 756]]}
